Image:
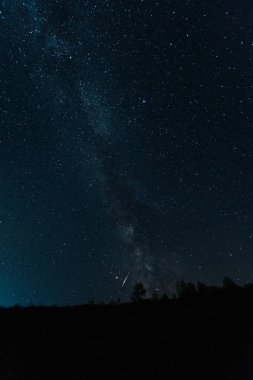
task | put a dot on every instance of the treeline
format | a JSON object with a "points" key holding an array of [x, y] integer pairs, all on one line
{"points": [[189, 290]]}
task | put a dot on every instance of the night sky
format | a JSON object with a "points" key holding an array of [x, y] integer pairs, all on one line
{"points": [[126, 147]]}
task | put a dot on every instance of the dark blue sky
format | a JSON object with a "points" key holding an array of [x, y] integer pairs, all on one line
{"points": [[126, 146]]}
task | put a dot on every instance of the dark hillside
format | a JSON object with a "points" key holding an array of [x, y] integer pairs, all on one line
{"points": [[178, 339]]}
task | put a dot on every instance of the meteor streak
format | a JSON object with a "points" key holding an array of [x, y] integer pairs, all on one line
{"points": [[123, 283]]}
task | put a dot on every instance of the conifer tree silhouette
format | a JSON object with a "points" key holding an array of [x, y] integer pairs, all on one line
{"points": [[138, 292]]}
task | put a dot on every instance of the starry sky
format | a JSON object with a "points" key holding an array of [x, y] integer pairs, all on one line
{"points": [[126, 146]]}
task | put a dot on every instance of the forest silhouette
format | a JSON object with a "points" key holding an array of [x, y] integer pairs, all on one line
{"points": [[200, 332]]}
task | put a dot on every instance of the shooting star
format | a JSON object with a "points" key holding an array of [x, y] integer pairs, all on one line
{"points": [[123, 283]]}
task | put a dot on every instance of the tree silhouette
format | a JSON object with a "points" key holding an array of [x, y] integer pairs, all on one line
{"points": [[229, 284], [185, 289], [155, 296], [138, 292], [164, 297], [202, 288]]}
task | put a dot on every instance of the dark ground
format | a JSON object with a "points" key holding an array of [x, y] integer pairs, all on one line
{"points": [[176, 339]]}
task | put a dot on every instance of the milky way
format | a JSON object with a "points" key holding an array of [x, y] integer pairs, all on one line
{"points": [[126, 147]]}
